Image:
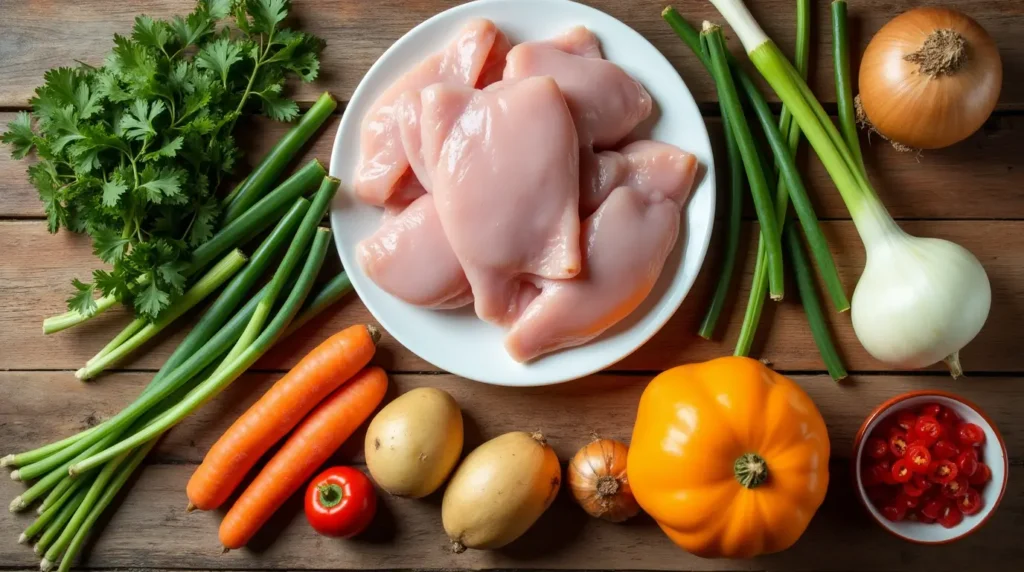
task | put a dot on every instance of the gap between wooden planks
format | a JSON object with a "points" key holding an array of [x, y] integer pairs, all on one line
{"points": [[976, 179], [36, 35], [37, 269], [408, 533]]}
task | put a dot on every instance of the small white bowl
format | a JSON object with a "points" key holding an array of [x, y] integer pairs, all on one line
{"points": [[992, 453], [457, 341]]}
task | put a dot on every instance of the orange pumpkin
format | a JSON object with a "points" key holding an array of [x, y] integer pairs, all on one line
{"points": [[729, 457]]}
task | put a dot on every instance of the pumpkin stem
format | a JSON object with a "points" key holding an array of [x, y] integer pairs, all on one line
{"points": [[330, 494], [750, 470], [944, 52]]}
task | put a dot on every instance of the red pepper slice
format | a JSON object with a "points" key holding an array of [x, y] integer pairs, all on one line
{"points": [[928, 429], [942, 471], [898, 443], [980, 476], [945, 449], [919, 458], [970, 502]]}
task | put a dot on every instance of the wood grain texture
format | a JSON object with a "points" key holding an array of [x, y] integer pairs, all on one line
{"points": [[36, 286], [408, 533], [36, 35], [42, 406], [986, 169]]}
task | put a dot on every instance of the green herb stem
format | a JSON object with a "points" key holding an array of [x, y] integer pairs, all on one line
{"points": [[274, 163], [729, 99], [210, 282], [223, 377], [72, 318]]}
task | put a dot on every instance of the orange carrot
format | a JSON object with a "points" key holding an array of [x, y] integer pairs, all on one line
{"points": [[280, 409], [312, 443]]}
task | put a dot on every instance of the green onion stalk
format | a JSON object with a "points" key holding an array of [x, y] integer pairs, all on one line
{"points": [[919, 301], [240, 230]]}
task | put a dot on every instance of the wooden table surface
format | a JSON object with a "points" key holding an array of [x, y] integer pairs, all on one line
{"points": [[972, 193]]}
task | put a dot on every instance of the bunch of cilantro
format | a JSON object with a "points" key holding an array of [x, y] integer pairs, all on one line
{"points": [[133, 152]]}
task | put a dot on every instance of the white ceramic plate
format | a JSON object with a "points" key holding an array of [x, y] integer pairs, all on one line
{"points": [[457, 341]]}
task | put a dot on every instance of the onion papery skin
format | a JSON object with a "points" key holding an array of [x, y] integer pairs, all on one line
{"points": [[919, 110]]}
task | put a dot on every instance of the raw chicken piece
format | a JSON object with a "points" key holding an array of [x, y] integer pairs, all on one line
{"points": [[649, 165], [475, 57], [626, 242], [504, 170], [606, 103], [409, 257], [408, 190]]}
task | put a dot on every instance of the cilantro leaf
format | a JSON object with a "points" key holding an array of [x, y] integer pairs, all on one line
{"points": [[112, 191], [161, 184], [109, 246], [109, 284], [19, 135], [151, 300], [217, 9], [203, 225], [173, 274], [82, 301], [169, 150], [138, 123], [277, 107], [266, 14], [219, 56], [150, 32]]}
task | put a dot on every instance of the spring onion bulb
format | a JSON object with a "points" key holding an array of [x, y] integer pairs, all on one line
{"points": [[919, 300]]}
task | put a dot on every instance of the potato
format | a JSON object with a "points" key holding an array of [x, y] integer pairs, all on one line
{"points": [[499, 491], [413, 444]]}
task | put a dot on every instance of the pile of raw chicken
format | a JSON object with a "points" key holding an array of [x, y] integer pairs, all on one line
{"points": [[505, 184]]}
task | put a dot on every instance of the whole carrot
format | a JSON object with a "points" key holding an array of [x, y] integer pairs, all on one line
{"points": [[312, 443], [280, 409]]}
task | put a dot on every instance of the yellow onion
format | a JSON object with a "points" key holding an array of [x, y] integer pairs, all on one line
{"points": [[930, 78], [597, 478]]}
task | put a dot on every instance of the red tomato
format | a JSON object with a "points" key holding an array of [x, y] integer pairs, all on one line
{"points": [[901, 471], [981, 476], [951, 517], [340, 502], [898, 443], [928, 429], [955, 488], [970, 503], [967, 462], [943, 449], [933, 508], [918, 458], [970, 434], [948, 417], [932, 410], [942, 471], [876, 448], [905, 420], [894, 512]]}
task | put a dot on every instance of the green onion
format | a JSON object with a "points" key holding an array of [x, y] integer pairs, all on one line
{"points": [[812, 305], [27, 458], [308, 226], [729, 99], [329, 293], [51, 512], [844, 91], [126, 333], [270, 168], [212, 280], [123, 472], [249, 224], [225, 374], [54, 529]]}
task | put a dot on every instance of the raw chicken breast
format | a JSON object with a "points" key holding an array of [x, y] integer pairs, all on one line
{"points": [[408, 190], [475, 57], [504, 170], [606, 103], [409, 257], [627, 241], [648, 165]]}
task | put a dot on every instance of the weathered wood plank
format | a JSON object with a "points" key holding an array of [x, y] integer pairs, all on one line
{"points": [[43, 406], [37, 269], [40, 34], [978, 178], [151, 529]]}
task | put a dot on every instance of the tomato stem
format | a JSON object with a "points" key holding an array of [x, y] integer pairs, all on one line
{"points": [[330, 494], [751, 470]]}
